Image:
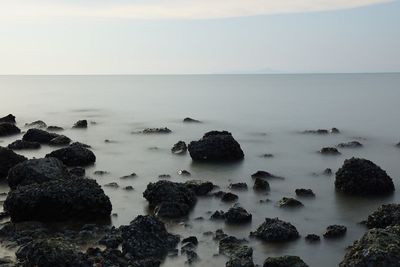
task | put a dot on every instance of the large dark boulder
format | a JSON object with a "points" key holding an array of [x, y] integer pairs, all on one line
{"points": [[8, 159], [240, 255], [38, 135], [74, 155], [386, 215], [9, 119], [363, 177], [216, 146], [60, 200], [7, 129], [37, 171], [21, 144], [276, 230], [146, 237], [284, 261], [169, 199], [237, 215], [377, 248]]}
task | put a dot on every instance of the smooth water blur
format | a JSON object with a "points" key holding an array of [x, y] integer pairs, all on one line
{"points": [[264, 113]]}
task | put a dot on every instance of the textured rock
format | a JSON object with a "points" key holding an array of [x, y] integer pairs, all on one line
{"points": [[287, 202], [261, 185], [81, 124], [237, 215], [352, 144], [386, 215], [74, 155], [8, 119], [61, 140], [7, 129], [276, 230], [36, 124], [200, 188], [329, 151], [8, 159], [335, 231], [40, 136], [179, 148], [21, 144], [301, 192]]}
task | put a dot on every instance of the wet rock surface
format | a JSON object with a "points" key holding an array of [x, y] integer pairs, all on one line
{"points": [[284, 261], [38, 135], [363, 177], [54, 128], [179, 148], [378, 247], [59, 200], [199, 187], [8, 159], [74, 155], [37, 171], [335, 231], [21, 145], [216, 146], [7, 129], [313, 238], [276, 230], [386, 215]]}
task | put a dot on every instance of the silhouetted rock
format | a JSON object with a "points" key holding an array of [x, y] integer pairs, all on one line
{"points": [[329, 151], [237, 215], [200, 188], [276, 230], [179, 148], [164, 130], [386, 215], [77, 172], [191, 120], [21, 145], [36, 124], [362, 177], [240, 255], [352, 144], [40, 136], [288, 202], [319, 131], [74, 155], [229, 197], [312, 238], [7, 129], [238, 186], [284, 261], [60, 140], [378, 247], [59, 200], [37, 171], [54, 128], [335, 231], [260, 184], [216, 146], [81, 124], [8, 119], [8, 159], [334, 131], [304, 192], [328, 172]]}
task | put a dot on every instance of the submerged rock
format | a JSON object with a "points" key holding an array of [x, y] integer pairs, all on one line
{"points": [[184, 173], [284, 261], [7, 129], [74, 155], [335, 231], [352, 144], [237, 215], [261, 184], [386, 215], [40, 136], [164, 130], [362, 177], [169, 199], [378, 247], [179, 148], [329, 151], [81, 124], [275, 230], [288, 202], [55, 129], [8, 119], [37, 171], [301, 192], [216, 146], [59, 200], [36, 124], [8, 159], [319, 131], [187, 119], [21, 145]]}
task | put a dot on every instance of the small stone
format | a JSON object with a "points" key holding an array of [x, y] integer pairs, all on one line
{"points": [[113, 185], [329, 151], [312, 238], [184, 173]]}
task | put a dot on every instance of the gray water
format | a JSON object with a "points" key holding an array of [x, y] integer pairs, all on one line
{"points": [[264, 113]]}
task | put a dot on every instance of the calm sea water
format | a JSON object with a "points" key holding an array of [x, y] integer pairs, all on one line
{"points": [[264, 113]]}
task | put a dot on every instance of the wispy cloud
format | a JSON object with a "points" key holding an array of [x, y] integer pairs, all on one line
{"points": [[169, 9]]}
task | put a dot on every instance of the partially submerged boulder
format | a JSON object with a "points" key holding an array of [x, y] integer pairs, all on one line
{"points": [[284, 261], [275, 230], [37, 171], [60, 140], [21, 145], [237, 215], [216, 146], [36, 124], [335, 231], [7, 129], [288, 202], [8, 119], [74, 155], [179, 148], [363, 177], [378, 247], [164, 130], [8, 159], [302, 192], [190, 120], [386, 215], [59, 200], [240, 255], [260, 185], [329, 151], [199, 187], [351, 144], [81, 124], [38, 135]]}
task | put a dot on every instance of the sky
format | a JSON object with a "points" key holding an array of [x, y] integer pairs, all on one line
{"points": [[198, 36]]}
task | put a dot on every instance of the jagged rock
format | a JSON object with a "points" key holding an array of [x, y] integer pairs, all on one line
{"points": [[21, 145], [59, 200], [81, 124], [200, 188], [386, 215], [335, 231], [276, 230], [164, 130], [36, 124], [37, 171], [60, 140], [301, 192], [8, 159], [284, 261], [237, 215], [74, 155], [352, 144], [329, 151], [8, 119], [7, 129], [260, 184], [218, 215], [328, 172], [179, 148], [40, 136], [190, 239], [216, 146], [362, 177]]}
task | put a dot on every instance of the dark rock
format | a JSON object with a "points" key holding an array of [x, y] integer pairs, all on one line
{"points": [[60, 140], [218, 215], [81, 124], [276, 230], [329, 151], [164, 130], [229, 197], [288, 202], [7, 129], [284, 261], [319, 131], [179, 148], [8, 119], [262, 174], [378, 247], [386, 215], [237, 215], [216, 146], [8, 159], [80, 144], [128, 188], [21, 144], [240, 255], [363, 177], [184, 173], [200, 188], [132, 175], [164, 176], [74, 155], [328, 172], [312, 238], [37, 171], [190, 239], [267, 155], [335, 231], [40, 136], [100, 173], [334, 131], [60, 200], [112, 184], [304, 192], [36, 124], [170, 199], [238, 186], [77, 172], [352, 144], [260, 184], [55, 129], [191, 120]]}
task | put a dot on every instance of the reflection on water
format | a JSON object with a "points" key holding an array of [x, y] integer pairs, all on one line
{"points": [[264, 113]]}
